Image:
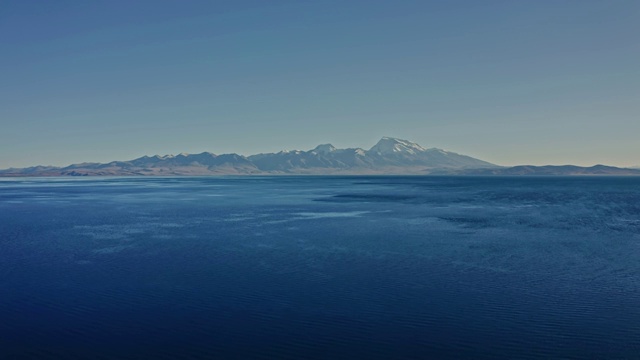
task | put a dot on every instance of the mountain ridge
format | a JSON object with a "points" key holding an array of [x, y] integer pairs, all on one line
{"points": [[544, 170], [389, 156]]}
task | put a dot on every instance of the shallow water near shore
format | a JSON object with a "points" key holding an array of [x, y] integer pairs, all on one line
{"points": [[320, 267]]}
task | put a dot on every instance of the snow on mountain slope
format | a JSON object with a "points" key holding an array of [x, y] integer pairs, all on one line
{"points": [[389, 145], [388, 156], [324, 149]]}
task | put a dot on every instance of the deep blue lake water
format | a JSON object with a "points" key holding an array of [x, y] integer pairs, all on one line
{"points": [[320, 267]]}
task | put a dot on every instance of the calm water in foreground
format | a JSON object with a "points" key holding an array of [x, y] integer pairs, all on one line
{"points": [[320, 267]]}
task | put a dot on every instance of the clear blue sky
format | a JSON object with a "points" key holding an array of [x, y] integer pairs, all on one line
{"points": [[511, 82]]}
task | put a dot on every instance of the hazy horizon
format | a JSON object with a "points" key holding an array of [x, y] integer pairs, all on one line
{"points": [[512, 83], [302, 149]]}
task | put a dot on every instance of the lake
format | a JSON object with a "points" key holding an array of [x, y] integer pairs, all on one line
{"points": [[320, 267]]}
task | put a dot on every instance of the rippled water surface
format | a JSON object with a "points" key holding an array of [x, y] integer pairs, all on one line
{"points": [[320, 267]]}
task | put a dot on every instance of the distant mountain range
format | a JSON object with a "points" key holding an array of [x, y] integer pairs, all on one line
{"points": [[553, 170], [388, 157]]}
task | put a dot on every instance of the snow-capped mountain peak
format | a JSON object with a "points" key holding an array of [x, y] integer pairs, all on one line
{"points": [[388, 156], [324, 149], [389, 145]]}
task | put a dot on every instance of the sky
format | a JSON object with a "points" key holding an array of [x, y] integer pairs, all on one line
{"points": [[510, 82]]}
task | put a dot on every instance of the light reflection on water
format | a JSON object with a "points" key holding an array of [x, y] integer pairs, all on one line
{"points": [[320, 267]]}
